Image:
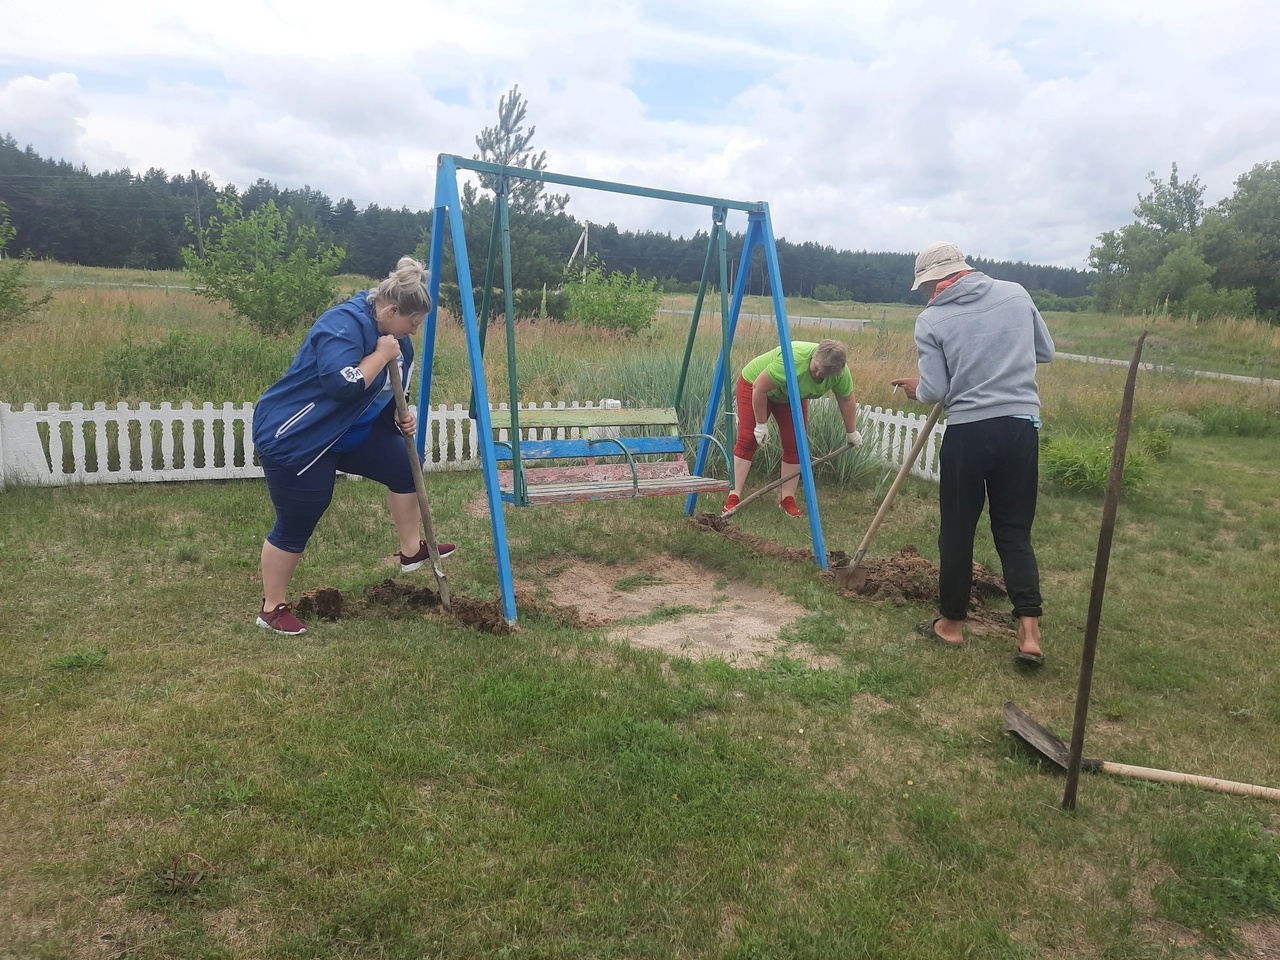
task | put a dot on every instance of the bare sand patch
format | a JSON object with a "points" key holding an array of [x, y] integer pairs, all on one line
{"points": [[685, 610]]}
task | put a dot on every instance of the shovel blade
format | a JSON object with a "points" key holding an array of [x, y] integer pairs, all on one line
{"points": [[442, 585], [850, 575], [1035, 737], [850, 578]]}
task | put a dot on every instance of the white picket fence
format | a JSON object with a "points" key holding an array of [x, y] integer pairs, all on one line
{"points": [[146, 444]]}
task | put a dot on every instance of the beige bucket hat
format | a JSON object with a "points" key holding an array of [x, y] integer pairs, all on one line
{"points": [[938, 261]]}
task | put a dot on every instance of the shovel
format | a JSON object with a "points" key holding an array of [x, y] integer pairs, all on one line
{"points": [[428, 526], [1046, 745], [776, 483], [850, 575]]}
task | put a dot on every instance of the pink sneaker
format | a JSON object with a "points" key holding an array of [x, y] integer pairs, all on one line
{"points": [[409, 564], [788, 505], [282, 620]]}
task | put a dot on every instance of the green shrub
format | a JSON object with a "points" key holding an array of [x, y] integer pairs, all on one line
{"points": [[1231, 421], [1082, 462], [829, 293], [527, 304], [1046, 301], [1204, 302], [672, 285], [615, 301], [14, 302], [275, 274], [1156, 442], [542, 304], [1179, 423]]}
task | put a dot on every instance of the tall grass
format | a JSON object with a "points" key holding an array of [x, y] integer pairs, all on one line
{"points": [[101, 342], [1224, 345]]}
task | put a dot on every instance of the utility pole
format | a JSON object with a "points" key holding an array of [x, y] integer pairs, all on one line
{"points": [[195, 183], [582, 243]]}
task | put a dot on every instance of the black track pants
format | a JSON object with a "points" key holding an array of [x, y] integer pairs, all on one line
{"points": [[996, 461]]}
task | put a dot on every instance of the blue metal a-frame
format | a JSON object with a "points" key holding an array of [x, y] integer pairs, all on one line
{"points": [[759, 234]]}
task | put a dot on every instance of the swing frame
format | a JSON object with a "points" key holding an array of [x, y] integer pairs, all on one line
{"points": [[447, 212]]}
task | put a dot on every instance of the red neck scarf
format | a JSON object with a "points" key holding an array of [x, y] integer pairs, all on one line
{"points": [[943, 284]]}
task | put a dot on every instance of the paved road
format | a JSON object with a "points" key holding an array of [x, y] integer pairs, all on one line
{"points": [[860, 324], [854, 324], [1155, 366]]}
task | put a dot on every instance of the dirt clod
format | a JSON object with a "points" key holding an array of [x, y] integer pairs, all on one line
{"points": [[325, 602]]}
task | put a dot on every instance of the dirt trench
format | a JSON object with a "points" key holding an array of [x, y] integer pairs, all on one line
{"points": [[902, 577]]}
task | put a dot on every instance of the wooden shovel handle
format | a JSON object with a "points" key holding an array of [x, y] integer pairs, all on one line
{"points": [[1191, 780], [424, 506], [916, 447], [402, 411], [777, 483]]}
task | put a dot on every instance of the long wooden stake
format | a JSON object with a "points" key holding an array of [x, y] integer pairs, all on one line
{"points": [[1109, 508]]}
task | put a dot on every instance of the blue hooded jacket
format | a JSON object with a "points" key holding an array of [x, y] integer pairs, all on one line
{"points": [[323, 392]]}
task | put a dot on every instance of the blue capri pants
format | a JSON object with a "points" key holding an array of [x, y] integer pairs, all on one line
{"points": [[301, 499]]}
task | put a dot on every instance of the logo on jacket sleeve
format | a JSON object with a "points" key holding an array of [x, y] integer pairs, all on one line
{"points": [[352, 374]]}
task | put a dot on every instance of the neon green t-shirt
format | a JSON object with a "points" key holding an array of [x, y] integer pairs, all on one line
{"points": [[841, 385]]}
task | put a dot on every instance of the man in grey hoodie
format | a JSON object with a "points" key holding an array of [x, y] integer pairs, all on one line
{"points": [[978, 342]]}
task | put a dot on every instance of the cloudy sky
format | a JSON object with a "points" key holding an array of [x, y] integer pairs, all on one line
{"points": [[1020, 130]]}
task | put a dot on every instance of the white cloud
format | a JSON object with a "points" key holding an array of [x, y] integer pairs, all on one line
{"points": [[1020, 130], [48, 111]]}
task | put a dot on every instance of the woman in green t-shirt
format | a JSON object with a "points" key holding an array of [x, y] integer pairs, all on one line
{"points": [[762, 393]]}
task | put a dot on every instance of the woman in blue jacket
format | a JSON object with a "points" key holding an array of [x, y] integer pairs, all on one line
{"points": [[333, 411]]}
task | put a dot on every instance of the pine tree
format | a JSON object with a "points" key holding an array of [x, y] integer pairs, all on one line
{"points": [[509, 144]]}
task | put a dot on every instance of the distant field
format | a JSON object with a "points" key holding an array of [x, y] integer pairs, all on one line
{"points": [[77, 350]]}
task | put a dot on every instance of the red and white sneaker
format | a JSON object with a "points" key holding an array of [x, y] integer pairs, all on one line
{"points": [[282, 620], [788, 505], [409, 564], [730, 503]]}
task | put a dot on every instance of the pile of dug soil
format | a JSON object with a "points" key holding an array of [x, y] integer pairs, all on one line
{"points": [[903, 577], [395, 598]]}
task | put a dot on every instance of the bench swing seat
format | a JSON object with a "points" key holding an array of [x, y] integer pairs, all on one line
{"points": [[613, 470]]}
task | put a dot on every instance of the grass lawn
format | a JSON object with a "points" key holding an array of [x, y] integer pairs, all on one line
{"points": [[178, 783]]}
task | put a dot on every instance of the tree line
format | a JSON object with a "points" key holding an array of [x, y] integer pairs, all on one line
{"points": [[1183, 258], [65, 212]]}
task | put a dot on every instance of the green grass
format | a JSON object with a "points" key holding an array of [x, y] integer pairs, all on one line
{"points": [[406, 787], [178, 783]]}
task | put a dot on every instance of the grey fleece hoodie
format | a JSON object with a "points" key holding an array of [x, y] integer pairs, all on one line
{"points": [[979, 342]]}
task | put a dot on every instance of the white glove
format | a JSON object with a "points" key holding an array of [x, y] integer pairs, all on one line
{"points": [[762, 431], [854, 439]]}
